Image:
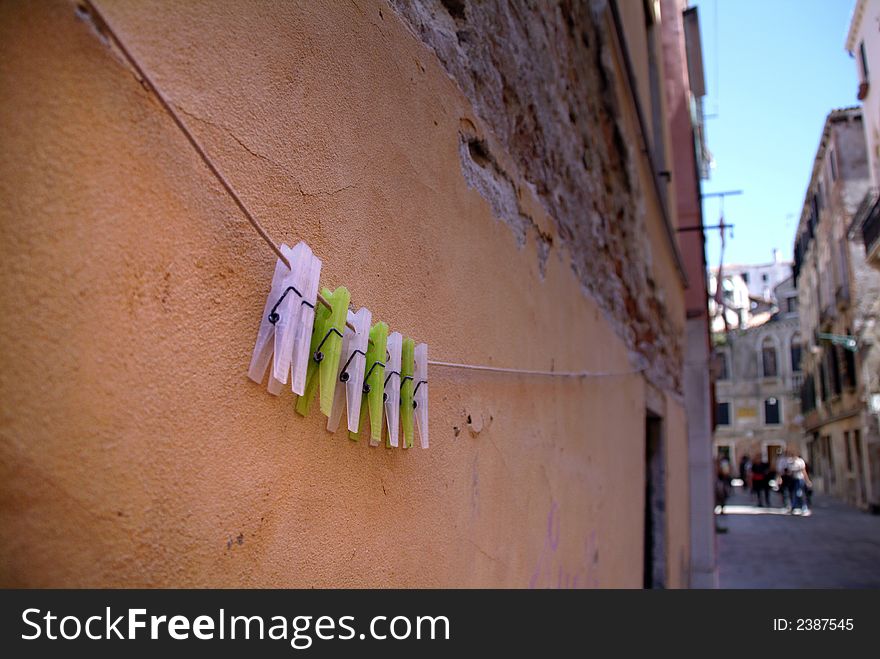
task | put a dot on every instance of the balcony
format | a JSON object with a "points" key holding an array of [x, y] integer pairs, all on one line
{"points": [[868, 218]]}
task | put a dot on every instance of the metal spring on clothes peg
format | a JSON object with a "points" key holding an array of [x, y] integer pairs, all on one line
{"points": [[319, 356], [420, 383], [273, 315], [384, 395], [367, 387], [344, 376]]}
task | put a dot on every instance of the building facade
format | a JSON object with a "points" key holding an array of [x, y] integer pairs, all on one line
{"points": [[685, 88], [863, 44], [748, 293], [760, 279], [837, 294], [757, 388], [484, 180]]}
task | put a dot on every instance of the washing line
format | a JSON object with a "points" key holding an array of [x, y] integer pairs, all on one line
{"points": [[104, 25]]}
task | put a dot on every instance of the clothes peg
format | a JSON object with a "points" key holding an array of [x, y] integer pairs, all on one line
{"points": [[287, 314], [373, 380], [407, 372], [420, 392], [350, 380], [391, 388], [325, 349], [263, 348], [282, 316], [301, 356]]}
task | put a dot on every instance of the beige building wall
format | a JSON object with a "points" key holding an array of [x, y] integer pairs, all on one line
{"points": [[134, 451], [863, 45]]}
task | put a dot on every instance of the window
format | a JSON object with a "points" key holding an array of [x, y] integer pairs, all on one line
{"points": [[769, 365], [771, 412], [745, 277], [727, 288], [863, 58], [834, 370], [796, 353], [808, 394], [849, 362], [721, 370], [765, 277], [791, 304], [849, 457], [833, 158], [722, 414]]}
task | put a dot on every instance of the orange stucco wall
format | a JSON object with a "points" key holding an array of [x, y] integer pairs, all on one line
{"points": [[133, 449]]}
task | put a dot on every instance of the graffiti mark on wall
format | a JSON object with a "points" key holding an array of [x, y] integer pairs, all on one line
{"points": [[558, 569]]}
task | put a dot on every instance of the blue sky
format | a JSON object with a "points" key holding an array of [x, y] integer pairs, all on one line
{"points": [[774, 69]]}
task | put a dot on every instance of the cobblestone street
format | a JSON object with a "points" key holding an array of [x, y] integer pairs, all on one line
{"points": [[837, 546]]}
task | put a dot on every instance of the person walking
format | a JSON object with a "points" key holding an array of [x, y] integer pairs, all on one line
{"points": [[800, 481], [783, 476], [761, 481], [722, 482]]}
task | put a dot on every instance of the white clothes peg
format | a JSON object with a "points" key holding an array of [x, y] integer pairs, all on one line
{"points": [[420, 397], [350, 378], [289, 314], [265, 344], [392, 388], [300, 354]]}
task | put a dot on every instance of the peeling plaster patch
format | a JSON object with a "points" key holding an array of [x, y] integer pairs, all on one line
{"points": [[477, 423], [482, 173], [543, 83]]}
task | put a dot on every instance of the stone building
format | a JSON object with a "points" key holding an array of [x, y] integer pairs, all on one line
{"points": [[863, 43], [749, 297], [760, 279], [837, 294], [495, 179], [685, 88], [757, 387]]}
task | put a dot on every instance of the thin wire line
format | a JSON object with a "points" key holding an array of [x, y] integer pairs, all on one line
{"points": [[169, 108], [524, 371], [110, 32], [185, 130]]}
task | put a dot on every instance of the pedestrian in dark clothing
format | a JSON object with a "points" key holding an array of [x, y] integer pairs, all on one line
{"points": [[761, 481]]}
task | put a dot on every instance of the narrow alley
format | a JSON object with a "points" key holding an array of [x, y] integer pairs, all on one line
{"points": [[837, 546]]}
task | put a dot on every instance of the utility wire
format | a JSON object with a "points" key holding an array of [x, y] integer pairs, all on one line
{"points": [[524, 371], [199, 149], [107, 28]]}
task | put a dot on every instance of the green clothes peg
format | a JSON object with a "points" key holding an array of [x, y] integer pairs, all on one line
{"points": [[407, 371], [325, 351], [373, 383]]}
